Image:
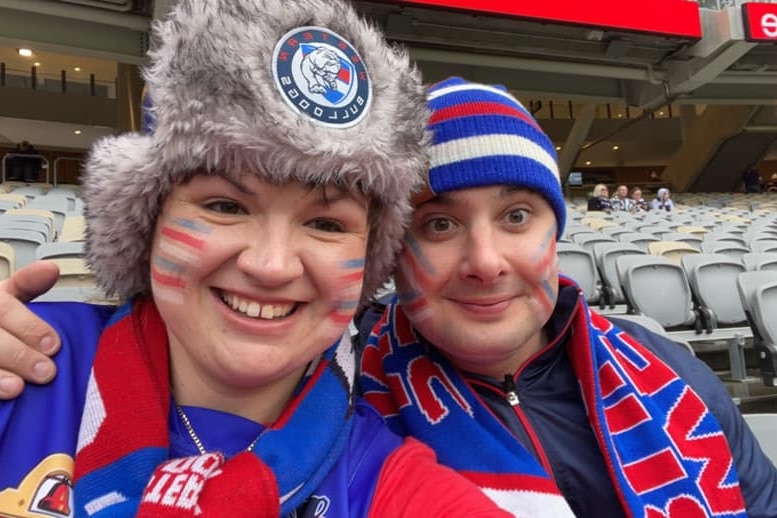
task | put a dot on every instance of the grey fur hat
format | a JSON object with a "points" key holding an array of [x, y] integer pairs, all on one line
{"points": [[303, 90]]}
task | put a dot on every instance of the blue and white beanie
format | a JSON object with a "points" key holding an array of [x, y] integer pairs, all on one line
{"points": [[483, 136]]}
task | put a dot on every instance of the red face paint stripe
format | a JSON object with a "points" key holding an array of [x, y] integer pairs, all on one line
{"points": [[183, 237], [167, 280], [353, 277]]}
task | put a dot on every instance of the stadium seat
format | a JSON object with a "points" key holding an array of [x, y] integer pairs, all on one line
{"points": [[588, 241], [757, 291], [658, 288], [760, 261], [20, 199], [7, 260], [73, 229], [605, 255], [763, 245], [24, 243], [638, 239], [691, 229], [36, 215], [578, 263], [713, 281], [672, 250], [724, 247], [60, 249]]}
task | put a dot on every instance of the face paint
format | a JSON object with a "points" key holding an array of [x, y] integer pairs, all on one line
{"points": [[545, 262], [351, 278], [180, 244], [417, 270]]}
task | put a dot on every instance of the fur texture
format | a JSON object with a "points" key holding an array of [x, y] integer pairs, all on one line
{"points": [[215, 106]]}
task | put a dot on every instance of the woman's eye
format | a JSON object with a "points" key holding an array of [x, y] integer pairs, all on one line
{"points": [[517, 216], [225, 207], [326, 225]]}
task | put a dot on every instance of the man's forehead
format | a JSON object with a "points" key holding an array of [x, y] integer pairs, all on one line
{"points": [[496, 191]]}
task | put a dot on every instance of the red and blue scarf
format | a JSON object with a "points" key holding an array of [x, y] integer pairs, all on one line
{"points": [[122, 465], [666, 452]]}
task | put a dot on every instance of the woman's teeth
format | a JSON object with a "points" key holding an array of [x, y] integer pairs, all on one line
{"points": [[254, 309]]}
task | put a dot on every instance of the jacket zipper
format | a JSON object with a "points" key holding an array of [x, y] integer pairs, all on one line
{"points": [[511, 391]]}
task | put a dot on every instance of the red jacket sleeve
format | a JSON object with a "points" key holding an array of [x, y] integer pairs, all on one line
{"points": [[412, 484]]}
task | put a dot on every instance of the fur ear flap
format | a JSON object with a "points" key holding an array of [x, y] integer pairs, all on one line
{"points": [[122, 191]]}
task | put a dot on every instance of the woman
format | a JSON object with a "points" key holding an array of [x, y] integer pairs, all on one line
{"points": [[662, 200], [600, 200], [241, 231]]}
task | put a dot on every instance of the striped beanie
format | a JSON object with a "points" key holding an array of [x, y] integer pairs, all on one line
{"points": [[483, 136]]}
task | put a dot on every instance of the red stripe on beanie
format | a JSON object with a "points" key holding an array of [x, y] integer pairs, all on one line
{"points": [[480, 108]]}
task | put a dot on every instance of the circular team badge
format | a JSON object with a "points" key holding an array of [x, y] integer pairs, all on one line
{"points": [[320, 74]]}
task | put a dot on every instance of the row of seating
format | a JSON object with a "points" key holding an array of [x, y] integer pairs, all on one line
{"points": [[704, 298]]}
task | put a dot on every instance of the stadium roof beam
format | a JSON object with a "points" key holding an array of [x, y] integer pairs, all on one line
{"points": [[705, 63]]}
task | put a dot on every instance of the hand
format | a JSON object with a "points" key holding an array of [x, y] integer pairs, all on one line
{"points": [[26, 341]]}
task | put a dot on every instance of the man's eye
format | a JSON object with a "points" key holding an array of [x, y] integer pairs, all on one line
{"points": [[517, 216], [225, 207], [439, 225], [326, 225]]}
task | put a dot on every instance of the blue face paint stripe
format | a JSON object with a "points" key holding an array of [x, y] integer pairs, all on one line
{"points": [[167, 264], [353, 263], [419, 255], [192, 225], [548, 289], [545, 242]]}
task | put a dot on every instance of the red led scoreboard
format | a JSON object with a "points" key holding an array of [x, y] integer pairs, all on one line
{"points": [[671, 18], [760, 21]]}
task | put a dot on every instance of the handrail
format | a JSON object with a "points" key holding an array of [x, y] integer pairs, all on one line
{"points": [[56, 164], [22, 155]]}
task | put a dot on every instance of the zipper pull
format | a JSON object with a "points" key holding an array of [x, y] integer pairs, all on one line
{"points": [[511, 391]]}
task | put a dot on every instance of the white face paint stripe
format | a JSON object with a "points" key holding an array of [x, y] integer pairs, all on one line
{"points": [[167, 295], [179, 253]]}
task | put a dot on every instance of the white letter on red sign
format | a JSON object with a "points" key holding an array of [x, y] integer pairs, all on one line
{"points": [[769, 25]]}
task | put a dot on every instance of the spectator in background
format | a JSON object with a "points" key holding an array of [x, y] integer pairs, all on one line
{"points": [[771, 185], [654, 176], [663, 200], [752, 179], [600, 200], [636, 202], [30, 162], [621, 199]]}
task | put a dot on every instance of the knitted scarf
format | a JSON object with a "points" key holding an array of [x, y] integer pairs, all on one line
{"points": [[122, 467], [665, 450]]}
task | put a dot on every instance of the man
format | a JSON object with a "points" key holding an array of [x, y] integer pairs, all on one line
{"points": [[621, 201], [494, 360]]}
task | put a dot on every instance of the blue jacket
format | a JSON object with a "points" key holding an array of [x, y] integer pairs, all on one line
{"points": [[551, 416], [39, 433]]}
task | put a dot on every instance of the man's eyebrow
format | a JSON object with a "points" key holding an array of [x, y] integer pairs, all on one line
{"points": [[510, 189]]}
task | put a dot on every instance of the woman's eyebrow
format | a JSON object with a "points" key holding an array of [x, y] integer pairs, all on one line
{"points": [[240, 186]]}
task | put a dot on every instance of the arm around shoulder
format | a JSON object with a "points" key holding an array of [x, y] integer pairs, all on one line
{"points": [[412, 484]]}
